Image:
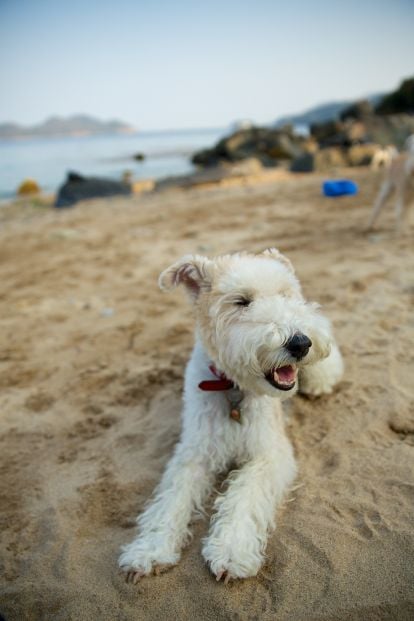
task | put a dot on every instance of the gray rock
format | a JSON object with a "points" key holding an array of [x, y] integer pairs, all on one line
{"points": [[400, 101], [329, 159], [361, 154], [267, 145], [303, 163], [78, 188], [369, 128], [359, 110]]}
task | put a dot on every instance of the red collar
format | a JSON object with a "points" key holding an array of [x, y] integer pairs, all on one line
{"points": [[221, 383]]}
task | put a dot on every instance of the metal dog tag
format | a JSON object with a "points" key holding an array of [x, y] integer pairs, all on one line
{"points": [[235, 397]]}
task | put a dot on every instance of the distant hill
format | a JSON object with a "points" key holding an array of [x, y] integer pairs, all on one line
{"points": [[322, 113], [78, 125]]}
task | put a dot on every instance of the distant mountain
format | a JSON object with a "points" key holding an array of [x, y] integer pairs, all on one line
{"points": [[322, 113], [78, 125]]}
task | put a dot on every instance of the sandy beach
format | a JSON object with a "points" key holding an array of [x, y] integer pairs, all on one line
{"points": [[91, 367]]}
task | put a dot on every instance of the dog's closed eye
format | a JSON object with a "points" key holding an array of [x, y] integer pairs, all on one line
{"points": [[242, 301]]}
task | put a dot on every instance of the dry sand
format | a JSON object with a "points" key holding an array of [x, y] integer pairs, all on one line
{"points": [[92, 359]]}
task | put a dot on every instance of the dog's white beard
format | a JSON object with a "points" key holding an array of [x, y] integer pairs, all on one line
{"points": [[247, 349]]}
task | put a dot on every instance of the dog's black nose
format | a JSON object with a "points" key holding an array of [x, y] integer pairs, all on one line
{"points": [[298, 345]]}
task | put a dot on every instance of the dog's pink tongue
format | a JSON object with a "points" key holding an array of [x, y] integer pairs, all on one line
{"points": [[286, 374]]}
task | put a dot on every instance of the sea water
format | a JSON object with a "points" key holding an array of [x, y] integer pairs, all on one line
{"points": [[48, 160]]}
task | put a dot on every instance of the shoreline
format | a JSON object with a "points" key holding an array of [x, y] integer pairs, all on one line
{"points": [[245, 173]]}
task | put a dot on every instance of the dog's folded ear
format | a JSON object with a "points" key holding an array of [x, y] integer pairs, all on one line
{"points": [[273, 253], [192, 271]]}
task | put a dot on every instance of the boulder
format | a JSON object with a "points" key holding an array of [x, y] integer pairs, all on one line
{"points": [[304, 163], [206, 158], [340, 133], [283, 147], [28, 187], [78, 188], [266, 145], [328, 159], [390, 129], [358, 110], [400, 101], [325, 133], [372, 128], [361, 154], [251, 166]]}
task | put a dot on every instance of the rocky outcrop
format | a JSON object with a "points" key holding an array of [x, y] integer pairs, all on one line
{"points": [[351, 139], [326, 160], [269, 146], [361, 154], [400, 101], [339, 133], [357, 111], [361, 127], [304, 163], [347, 142], [78, 188], [391, 122]]}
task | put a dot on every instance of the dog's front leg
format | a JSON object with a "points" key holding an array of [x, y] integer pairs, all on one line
{"points": [[401, 208], [163, 527], [237, 539], [385, 191], [321, 378]]}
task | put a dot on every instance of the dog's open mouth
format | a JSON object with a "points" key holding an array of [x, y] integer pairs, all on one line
{"points": [[283, 378]]}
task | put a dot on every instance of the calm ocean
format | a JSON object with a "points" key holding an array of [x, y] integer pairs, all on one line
{"points": [[49, 159]]}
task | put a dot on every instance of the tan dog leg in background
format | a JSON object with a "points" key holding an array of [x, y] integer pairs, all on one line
{"points": [[397, 179]]}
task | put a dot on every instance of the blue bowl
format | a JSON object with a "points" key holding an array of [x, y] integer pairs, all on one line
{"points": [[339, 187]]}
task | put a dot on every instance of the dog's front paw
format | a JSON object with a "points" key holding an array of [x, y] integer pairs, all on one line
{"points": [[321, 378], [143, 557], [231, 562]]}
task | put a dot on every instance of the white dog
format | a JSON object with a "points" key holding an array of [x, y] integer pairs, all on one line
{"points": [[256, 339], [397, 178], [383, 157]]}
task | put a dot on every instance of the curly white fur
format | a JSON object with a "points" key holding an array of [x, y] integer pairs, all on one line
{"points": [[245, 342]]}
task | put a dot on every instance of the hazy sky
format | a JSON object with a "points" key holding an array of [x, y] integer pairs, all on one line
{"points": [[165, 64]]}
